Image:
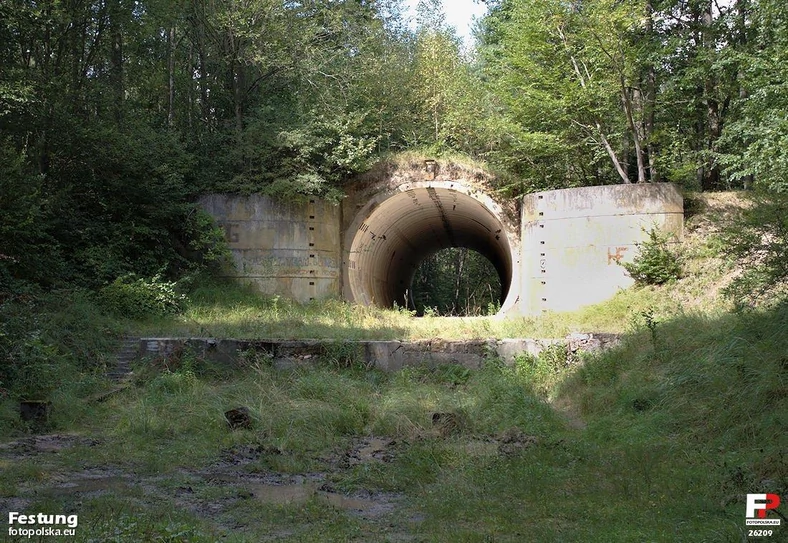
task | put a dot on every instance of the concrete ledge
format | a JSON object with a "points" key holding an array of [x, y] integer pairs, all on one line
{"points": [[383, 355]]}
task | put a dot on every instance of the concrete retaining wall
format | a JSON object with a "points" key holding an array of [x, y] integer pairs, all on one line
{"points": [[563, 255], [286, 249], [574, 239], [384, 355]]}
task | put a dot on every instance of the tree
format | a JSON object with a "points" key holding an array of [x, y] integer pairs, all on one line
{"points": [[753, 144], [564, 72], [456, 281]]}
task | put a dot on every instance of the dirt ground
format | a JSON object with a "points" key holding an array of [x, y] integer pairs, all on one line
{"points": [[217, 492]]}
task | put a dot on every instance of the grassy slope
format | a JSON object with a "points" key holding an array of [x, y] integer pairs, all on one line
{"points": [[658, 440]]}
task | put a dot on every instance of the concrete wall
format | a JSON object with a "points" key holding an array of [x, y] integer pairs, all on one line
{"points": [[383, 355], [292, 250], [574, 239], [564, 253]]}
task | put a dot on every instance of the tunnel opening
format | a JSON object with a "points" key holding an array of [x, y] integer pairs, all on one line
{"points": [[456, 282], [393, 235]]}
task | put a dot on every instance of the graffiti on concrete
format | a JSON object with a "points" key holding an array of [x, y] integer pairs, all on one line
{"points": [[615, 257]]}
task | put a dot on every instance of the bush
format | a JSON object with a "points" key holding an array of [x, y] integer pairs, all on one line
{"points": [[655, 263], [138, 297]]}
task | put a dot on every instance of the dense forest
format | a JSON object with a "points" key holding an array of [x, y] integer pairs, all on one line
{"points": [[116, 114]]}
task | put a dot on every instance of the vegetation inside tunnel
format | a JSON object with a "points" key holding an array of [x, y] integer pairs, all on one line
{"points": [[456, 282]]}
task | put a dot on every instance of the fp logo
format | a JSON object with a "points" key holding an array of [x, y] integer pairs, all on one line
{"points": [[760, 503]]}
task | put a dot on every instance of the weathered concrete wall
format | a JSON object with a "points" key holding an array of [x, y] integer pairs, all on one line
{"points": [[286, 249], [383, 355], [574, 239], [563, 254]]}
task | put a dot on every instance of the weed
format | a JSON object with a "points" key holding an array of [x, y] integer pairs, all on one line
{"points": [[656, 263], [651, 323], [344, 354], [138, 297]]}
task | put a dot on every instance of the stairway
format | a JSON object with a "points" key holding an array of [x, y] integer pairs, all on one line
{"points": [[129, 351]]}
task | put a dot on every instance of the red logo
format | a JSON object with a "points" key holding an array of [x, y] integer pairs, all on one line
{"points": [[761, 503]]}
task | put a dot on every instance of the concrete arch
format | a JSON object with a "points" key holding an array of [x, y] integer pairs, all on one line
{"points": [[396, 228], [554, 251]]}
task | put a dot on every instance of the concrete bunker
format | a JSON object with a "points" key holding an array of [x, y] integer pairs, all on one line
{"points": [[395, 232], [553, 251]]}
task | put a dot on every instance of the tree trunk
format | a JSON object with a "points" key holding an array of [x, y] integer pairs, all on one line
{"points": [[612, 154], [116, 62], [626, 96], [711, 171], [171, 77], [650, 102]]}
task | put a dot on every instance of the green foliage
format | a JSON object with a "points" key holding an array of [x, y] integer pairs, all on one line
{"points": [[26, 249], [456, 281], [302, 187], [656, 262], [139, 297], [50, 342], [759, 242], [207, 242], [562, 76], [753, 143]]}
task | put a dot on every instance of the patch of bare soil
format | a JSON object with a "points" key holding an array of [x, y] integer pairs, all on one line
{"points": [[709, 211], [235, 479], [568, 411], [43, 450], [43, 444], [213, 491], [368, 449]]}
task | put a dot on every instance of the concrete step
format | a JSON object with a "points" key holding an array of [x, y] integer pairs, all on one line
{"points": [[129, 351]]}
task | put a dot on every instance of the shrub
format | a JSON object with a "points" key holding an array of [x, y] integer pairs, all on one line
{"points": [[138, 297], [655, 263]]}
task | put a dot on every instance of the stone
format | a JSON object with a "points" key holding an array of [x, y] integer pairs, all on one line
{"points": [[449, 423], [35, 410], [240, 417]]}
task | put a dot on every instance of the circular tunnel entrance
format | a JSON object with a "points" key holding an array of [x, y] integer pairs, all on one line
{"points": [[392, 236]]}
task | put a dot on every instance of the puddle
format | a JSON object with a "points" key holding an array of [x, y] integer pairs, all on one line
{"points": [[374, 448], [368, 449], [91, 481], [283, 494], [296, 494], [213, 491], [364, 507], [94, 485], [53, 443]]}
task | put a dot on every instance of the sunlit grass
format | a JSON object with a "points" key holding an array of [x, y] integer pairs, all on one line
{"points": [[226, 309], [669, 421]]}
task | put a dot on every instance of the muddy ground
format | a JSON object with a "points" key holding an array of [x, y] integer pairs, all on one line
{"points": [[222, 493]]}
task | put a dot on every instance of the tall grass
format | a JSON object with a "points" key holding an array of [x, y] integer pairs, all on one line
{"points": [[657, 440], [681, 421]]}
